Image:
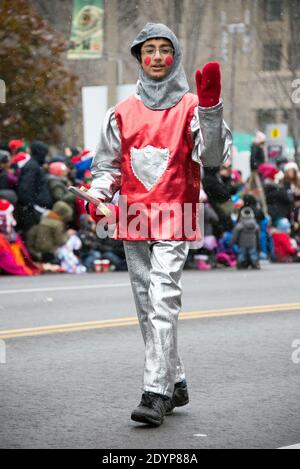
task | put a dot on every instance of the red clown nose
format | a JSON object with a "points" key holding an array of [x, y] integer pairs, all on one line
{"points": [[169, 60]]}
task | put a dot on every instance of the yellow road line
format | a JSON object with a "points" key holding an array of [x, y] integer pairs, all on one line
{"points": [[132, 320]]}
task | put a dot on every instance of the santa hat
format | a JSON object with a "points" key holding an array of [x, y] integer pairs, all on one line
{"points": [[291, 165], [14, 145], [6, 212], [20, 159], [6, 208], [268, 171]]}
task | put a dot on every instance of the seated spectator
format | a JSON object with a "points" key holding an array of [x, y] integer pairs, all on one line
{"points": [[52, 241], [113, 250], [264, 222], [69, 261], [8, 180], [286, 249], [39, 152], [279, 202], [202, 253], [58, 184], [14, 257], [33, 193], [83, 163], [90, 249]]}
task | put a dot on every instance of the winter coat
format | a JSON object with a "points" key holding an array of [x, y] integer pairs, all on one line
{"points": [[33, 187], [246, 234], [50, 233], [257, 157], [284, 249], [210, 219], [278, 201], [4, 182], [58, 187]]}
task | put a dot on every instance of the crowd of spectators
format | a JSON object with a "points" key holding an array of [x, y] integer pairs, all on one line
{"points": [[250, 221], [45, 228]]}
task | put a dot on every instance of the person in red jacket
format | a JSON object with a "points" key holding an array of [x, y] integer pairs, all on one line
{"points": [[151, 149], [285, 249]]}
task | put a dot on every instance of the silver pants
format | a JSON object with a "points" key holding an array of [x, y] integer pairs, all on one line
{"points": [[155, 269]]}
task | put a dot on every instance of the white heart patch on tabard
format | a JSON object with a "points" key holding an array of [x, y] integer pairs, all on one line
{"points": [[149, 164]]}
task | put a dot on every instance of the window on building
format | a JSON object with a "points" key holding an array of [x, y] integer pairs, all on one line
{"points": [[265, 117], [272, 57], [294, 55], [288, 116], [273, 10]]}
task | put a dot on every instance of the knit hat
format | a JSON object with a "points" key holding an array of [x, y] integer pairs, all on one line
{"points": [[63, 210], [4, 156], [247, 213], [283, 225], [39, 151], [87, 177], [58, 169], [15, 145]]}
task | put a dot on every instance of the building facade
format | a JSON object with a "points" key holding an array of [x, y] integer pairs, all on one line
{"points": [[255, 41]]}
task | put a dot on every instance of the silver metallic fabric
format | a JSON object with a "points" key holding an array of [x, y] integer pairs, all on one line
{"points": [[212, 137], [155, 269], [165, 93], [107, 160], [212, 143]]}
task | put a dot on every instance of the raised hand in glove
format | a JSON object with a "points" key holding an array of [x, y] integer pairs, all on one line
{"points": [[208, 83]]}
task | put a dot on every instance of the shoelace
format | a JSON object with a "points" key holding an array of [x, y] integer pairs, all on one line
{"points": [[152, 400]]}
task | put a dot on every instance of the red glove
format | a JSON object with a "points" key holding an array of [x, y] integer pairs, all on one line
{"points": [[114, 218], [208, 84]]}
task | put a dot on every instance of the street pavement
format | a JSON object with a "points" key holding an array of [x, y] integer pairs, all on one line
{"points": [[71, 360]]}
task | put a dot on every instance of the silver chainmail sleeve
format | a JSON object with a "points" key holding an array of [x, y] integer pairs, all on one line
{"points": [[106, 163], [211, 135]]}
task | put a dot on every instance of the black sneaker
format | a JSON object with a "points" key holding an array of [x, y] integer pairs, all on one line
{"points": [[151, 409], [180, 397]]}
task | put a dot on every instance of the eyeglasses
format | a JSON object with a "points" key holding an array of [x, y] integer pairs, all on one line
{"points": [[163, 51]]}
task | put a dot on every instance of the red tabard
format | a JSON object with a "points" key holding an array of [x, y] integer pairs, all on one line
{"points": [[160, 183]]}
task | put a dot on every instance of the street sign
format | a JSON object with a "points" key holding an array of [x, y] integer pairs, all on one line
{"points": [[277, 134], [276, 141]]}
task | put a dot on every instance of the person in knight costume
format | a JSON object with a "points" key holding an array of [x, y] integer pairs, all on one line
{"points": [[151, 149]]}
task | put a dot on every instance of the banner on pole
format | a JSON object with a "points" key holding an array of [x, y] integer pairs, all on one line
{"points": [[86, 41]]}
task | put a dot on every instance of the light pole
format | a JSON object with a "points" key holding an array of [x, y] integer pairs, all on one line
{"points": [[232, 30]]}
